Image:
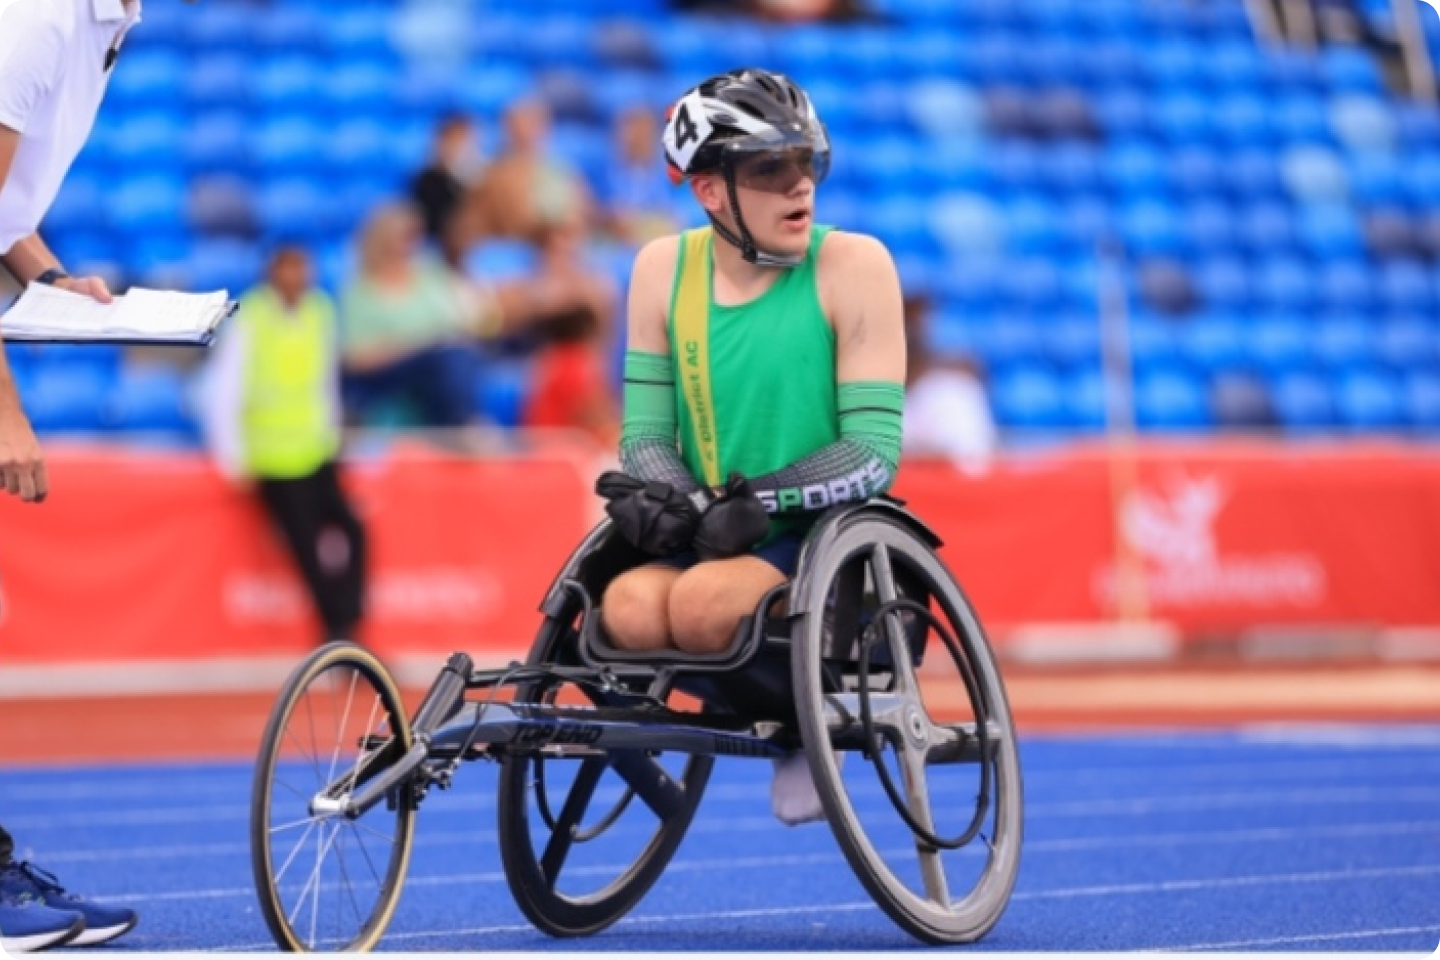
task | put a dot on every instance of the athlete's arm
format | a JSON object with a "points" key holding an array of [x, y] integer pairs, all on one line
{"points": [[860, 292], [648, 449]]}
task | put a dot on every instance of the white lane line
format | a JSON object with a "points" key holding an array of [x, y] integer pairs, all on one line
{"points": [[1220, 883], [1322, 796], [1063, 893], [169, 786], [1306, 938], [459, 838]]}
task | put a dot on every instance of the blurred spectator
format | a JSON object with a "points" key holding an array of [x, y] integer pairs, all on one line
{"points": [[1166, 287], [565, 280], [1240, 401], [784, 11], [409, 326], [947, 413], [456, 163], [271, 414], [639, 198], [525, 190], [570, 383]]}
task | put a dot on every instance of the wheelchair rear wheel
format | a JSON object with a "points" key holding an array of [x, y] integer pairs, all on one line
{"points": [[938, 844], [554, 804], [325, 881]]}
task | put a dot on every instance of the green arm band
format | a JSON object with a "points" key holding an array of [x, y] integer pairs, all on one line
{"points": [[860, 465], [648, 448]]}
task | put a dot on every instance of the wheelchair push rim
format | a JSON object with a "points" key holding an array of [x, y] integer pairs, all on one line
{"points": [[940, 855], [557, 847], [326, 881]]}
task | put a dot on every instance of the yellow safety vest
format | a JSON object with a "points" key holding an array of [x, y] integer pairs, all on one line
{"points": [[289, 426]]}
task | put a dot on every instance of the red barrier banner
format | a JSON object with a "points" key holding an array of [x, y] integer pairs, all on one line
{"points": [[1209, 538], [135, 557], [144, 556]]}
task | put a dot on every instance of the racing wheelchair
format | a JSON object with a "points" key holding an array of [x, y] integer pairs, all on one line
{"points": [[604, 755]]}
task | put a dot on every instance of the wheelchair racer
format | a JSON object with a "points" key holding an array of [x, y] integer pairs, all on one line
{"points": [[764, 374]]}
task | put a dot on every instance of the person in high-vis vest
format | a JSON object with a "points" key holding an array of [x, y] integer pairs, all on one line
{"points": [[272, 416], [764, 376]]}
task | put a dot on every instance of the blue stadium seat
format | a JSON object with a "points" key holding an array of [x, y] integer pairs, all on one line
{"points": [[1329, 231], [1422, 400], [1234, 64], [1343, 341], [1303, 401], [76, 206], [1344, 284], [1184, 117], [1280, 342], [1223, 282], [224, 264], [501, 393], [1171, 400], [1284, 284], [1150, 228], [1031, 283], [1265, 228], [288, 83], [359, 31], [151, 399], [1072, 339], [228, 26], [1314, 174], [217, 80], [1135, 168], [67, 399], [1300, 118], [150, 77], [1407, 343], [297, 207], [1154, 341], [1242, 119], [360, 146], [1085, 400], [1405, 286], [287, 26], [217, 141], [1377, 179], [489, 88], [289, 144], [1212, 342], [1030, 226], [1124, 113], [1207, 227], [1369, 400], [149, 140], [137, 205], [1030, 396], [358, 88], [1251, 174], [1350, 68]]}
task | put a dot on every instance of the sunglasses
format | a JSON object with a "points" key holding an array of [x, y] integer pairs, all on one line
{"points": [[778, 171]]}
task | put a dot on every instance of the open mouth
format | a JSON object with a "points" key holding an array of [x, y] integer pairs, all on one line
{"points": [[797, 216]]}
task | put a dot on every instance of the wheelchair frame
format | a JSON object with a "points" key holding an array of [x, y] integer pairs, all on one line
{"points": [[820, 678]]}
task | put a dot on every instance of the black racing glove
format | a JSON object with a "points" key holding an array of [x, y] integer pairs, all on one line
{"points": [[653, 516], [733, 523]]}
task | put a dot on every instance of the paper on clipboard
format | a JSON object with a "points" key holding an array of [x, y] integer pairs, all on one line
{"points": [[50, 315]]}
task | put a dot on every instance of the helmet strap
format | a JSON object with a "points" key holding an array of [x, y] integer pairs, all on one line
{"points": [[744, 241]]}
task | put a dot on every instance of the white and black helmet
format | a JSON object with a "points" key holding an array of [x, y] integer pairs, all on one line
{"points": [[725, 122]]}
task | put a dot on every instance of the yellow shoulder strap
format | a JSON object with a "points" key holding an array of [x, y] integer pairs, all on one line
{"points": [[692, 333]]}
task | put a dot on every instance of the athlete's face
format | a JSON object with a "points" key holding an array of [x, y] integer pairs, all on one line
{"points": [[776, 192]]}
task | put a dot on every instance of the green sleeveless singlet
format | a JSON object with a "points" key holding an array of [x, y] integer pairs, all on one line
{"points": [[771, 365]]}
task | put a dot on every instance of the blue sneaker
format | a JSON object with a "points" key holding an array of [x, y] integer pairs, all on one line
{"points": [[27, 925], [25, 881]]}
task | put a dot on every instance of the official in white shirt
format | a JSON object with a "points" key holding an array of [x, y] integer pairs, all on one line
{"points": [[55, 61]]}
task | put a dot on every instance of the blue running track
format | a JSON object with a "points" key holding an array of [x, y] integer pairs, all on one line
{"points": [[1294, 839]]}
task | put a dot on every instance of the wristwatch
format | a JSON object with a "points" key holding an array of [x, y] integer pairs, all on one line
{"points": [[51, 275]]}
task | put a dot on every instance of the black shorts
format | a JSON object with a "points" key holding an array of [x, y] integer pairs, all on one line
{"points": [[782, 553]]}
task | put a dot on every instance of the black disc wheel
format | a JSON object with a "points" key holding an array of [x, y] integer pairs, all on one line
{"points": [[585, 833], [326, 881], [907, 731]]}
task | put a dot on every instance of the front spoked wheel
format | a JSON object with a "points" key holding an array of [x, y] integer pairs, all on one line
{"points": [[326, 881], [916, 703]]}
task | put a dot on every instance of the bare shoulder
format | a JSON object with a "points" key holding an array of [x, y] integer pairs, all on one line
{"points": [[854, 267], [657, 259], [651, 277]]}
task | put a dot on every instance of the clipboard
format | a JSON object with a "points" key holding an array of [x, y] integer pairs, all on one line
{"points": [[140, 317]]}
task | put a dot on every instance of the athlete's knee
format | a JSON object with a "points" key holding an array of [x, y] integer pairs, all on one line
{"points": [[705, 609], [634, 611]]}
